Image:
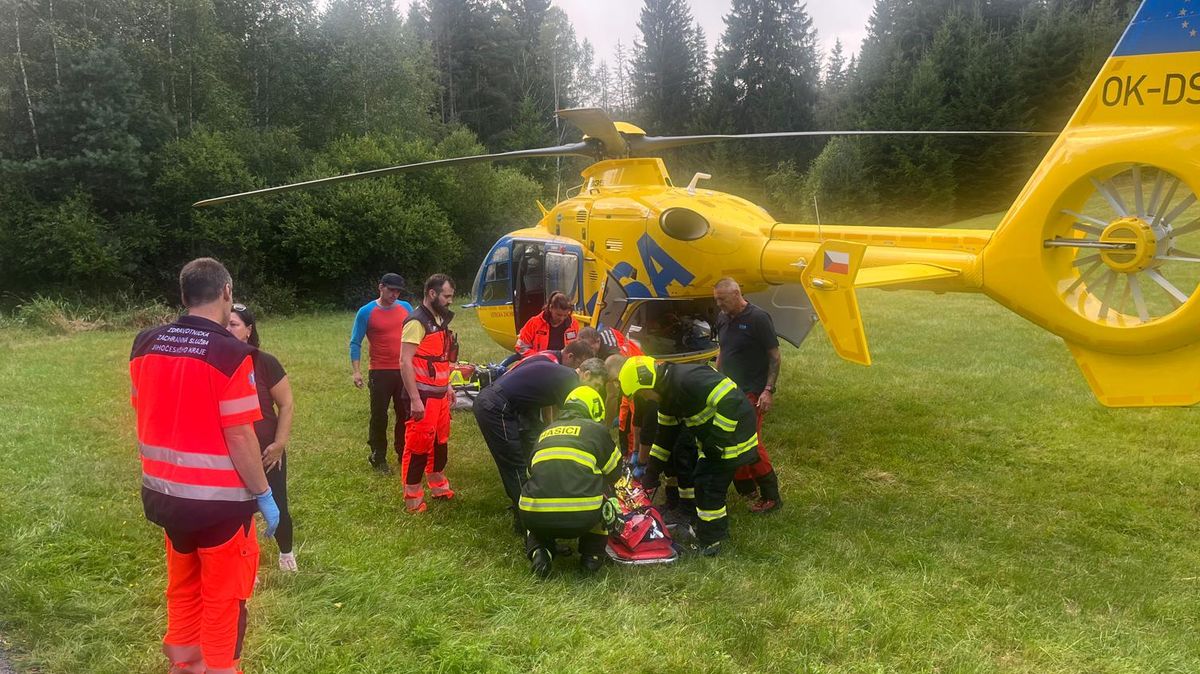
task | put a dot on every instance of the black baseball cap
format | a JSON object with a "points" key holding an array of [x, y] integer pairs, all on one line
{"points": [[392, 281]]}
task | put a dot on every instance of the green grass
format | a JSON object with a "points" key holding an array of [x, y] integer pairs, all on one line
{"points": [[986, 221], [962, 505]]}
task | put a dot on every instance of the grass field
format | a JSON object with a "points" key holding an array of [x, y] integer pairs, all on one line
{"points": [[962, 505]]}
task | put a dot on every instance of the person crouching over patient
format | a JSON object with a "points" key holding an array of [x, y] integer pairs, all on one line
{"points": [[573, 465]]}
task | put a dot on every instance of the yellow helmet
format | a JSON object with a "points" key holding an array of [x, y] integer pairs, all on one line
{"points": [[637, 373], [587, 400]]}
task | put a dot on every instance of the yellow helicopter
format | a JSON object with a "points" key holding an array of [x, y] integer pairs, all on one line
{"points": [[1094, 249]]}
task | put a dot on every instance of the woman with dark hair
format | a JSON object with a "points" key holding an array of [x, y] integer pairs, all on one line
{"points": [[275, 428], [553, 329]]}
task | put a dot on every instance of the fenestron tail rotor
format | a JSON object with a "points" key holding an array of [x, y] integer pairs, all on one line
{"points": [[1131, 246]]}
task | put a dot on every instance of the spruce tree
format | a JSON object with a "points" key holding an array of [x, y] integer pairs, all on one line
{"points": [[667, 79]]}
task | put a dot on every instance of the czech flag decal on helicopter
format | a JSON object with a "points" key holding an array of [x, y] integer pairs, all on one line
{"points": [[837, 262]]}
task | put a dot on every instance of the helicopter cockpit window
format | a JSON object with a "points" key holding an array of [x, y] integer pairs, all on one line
{"points": [[674, 327], [562, 274], [497, 286]]}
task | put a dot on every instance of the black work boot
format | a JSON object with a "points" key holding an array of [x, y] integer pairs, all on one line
{"points": [[379, 466], [591, 563], [541, 561]]}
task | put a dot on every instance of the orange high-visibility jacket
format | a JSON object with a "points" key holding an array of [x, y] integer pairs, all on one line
{"points": [[435, 354], [190, 380], [535, 336]]}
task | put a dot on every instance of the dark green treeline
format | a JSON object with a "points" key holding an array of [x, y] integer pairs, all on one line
{"points": [[117, 114]]}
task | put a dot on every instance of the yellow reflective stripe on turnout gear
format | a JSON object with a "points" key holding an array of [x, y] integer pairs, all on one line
{"points": [[659, 453], [687, 492], [714, 397], [561, 505], [719, 392], [565, 454], [740, 448], [667, 420], [612, 462], [710, 515], [723, 422]]}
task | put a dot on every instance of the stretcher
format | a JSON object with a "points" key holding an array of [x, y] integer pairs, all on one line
{"points": [[637, 533]]}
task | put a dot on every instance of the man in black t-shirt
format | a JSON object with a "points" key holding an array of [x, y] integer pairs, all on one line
{"points": [[749, 355], [516, 407]]}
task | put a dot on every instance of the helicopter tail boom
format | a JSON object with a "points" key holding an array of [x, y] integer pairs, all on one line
{"points": [[792, 248]]}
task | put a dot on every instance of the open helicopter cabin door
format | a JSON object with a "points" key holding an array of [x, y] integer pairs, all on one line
{"points": [[541, 268], [790, 309]]}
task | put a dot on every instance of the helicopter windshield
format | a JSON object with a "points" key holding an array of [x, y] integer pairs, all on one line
{"points": [[493, 283]]}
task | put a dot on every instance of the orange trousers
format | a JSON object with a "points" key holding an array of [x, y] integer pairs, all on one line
{"points": [[763, 466], [427, 440], [206, 604]]}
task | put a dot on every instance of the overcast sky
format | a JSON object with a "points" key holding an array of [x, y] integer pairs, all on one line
{"points": [[603, 22]]}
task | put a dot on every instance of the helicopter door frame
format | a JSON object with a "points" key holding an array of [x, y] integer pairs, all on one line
{"points": [[553, 256]]}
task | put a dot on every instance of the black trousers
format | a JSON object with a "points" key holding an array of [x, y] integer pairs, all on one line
{"points": [[509, 438], [713, 478], [277, 479], [590, 543], [387, 390], [682, 466]]}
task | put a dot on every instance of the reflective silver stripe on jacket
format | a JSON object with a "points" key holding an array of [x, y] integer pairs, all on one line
{"points": [[186, 459], [238, 405], [195, 491]]}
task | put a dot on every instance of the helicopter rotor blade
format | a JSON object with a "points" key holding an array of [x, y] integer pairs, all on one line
{"points": [[595, 123], [639, 145], [584, 149]]}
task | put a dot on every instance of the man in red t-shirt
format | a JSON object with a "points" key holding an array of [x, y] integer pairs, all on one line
{"points": [[381, 322], [192, 385]]}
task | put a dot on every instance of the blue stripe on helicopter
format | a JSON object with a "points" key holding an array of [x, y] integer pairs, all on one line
{"points": [[1162, 27]]}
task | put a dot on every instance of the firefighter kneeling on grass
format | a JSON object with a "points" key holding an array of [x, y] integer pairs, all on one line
{"points": [[719, 416], [573, 463]]}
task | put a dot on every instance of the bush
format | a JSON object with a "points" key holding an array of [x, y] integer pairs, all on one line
{"points": [[62, 316]]}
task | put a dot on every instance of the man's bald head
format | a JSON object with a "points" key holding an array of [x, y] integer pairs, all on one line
{"points": [[728, 295], [612, 366], [728, 285]]}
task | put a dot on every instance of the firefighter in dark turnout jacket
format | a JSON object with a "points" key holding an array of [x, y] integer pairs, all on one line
{"points": [[573, 463], [720, 417]]}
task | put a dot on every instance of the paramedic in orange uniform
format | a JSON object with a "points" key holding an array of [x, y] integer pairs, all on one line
{"points": [[193, 388], [551, 330], [427, 351]]}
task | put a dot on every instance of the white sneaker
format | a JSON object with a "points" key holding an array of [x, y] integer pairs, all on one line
{"points": [[287, 561]]}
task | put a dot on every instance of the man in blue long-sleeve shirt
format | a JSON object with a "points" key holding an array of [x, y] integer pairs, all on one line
{"points": [[381, 321]]}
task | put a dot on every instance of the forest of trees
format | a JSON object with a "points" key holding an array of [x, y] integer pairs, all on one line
{"points": [[117, 114]]}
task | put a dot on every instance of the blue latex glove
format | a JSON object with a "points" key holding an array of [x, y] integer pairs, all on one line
{"points": [[639, 471], [270, 511]]}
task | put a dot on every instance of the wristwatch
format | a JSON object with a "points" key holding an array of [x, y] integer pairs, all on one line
{"points": [[769, 388]]}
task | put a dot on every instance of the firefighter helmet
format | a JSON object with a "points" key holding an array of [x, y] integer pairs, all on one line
{"points": [[588, 401], [637, 373]]}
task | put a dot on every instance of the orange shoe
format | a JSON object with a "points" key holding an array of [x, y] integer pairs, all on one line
{"points": [[419, 508], [439, 486]]}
